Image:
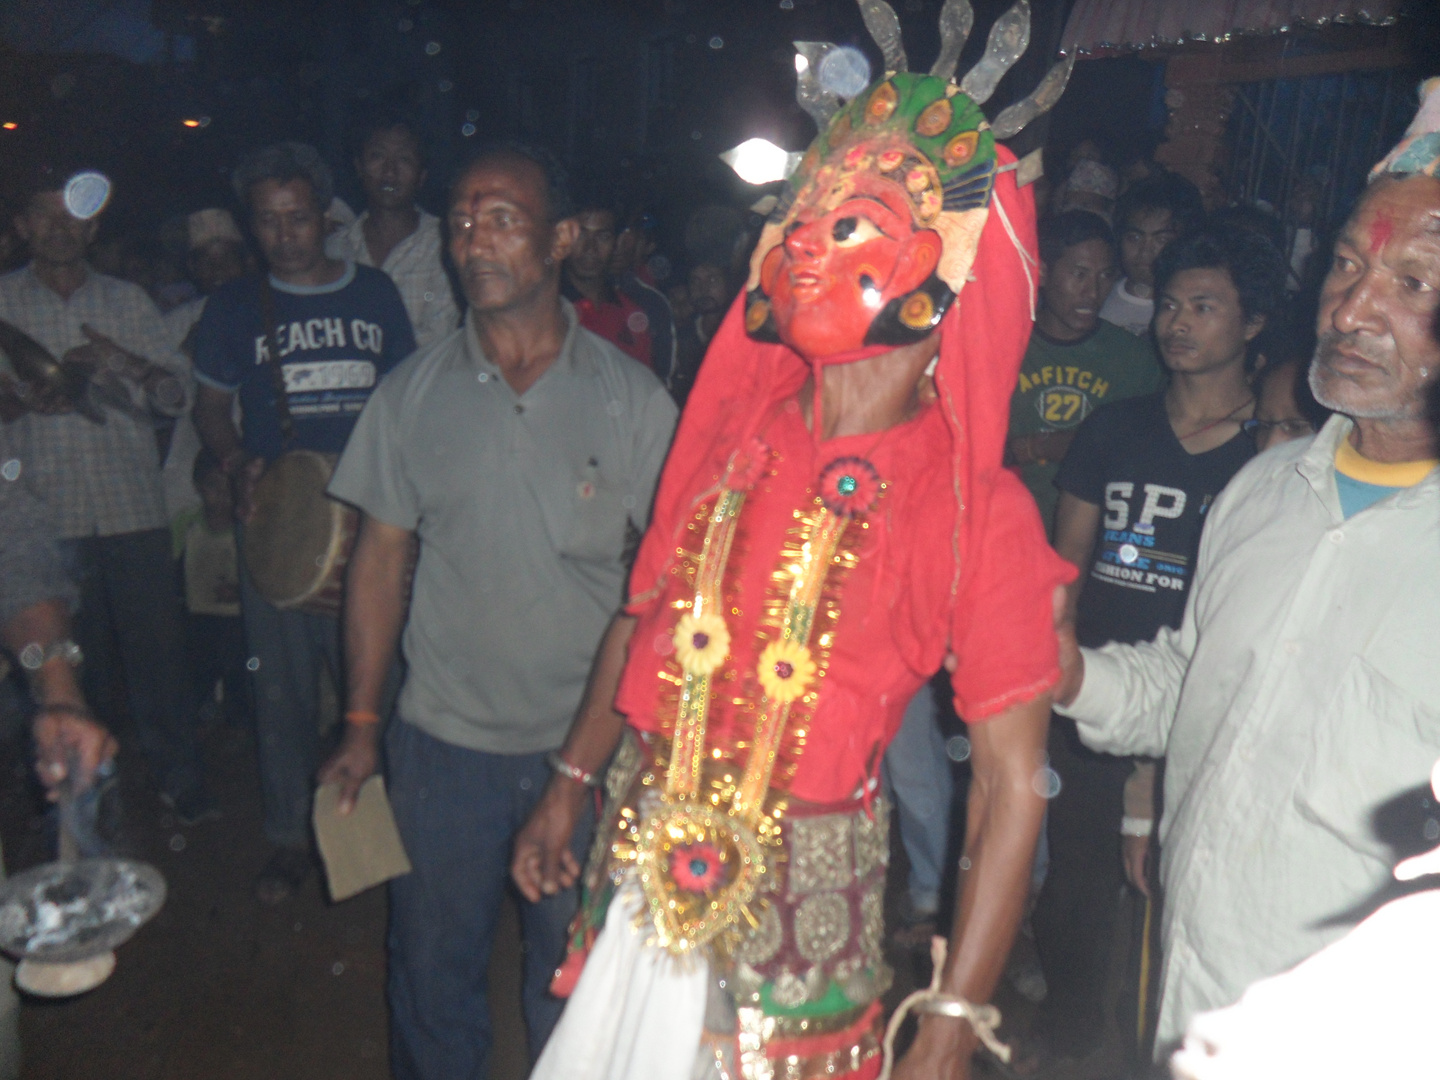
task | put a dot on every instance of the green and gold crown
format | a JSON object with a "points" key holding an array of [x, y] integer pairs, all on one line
{"points": [[926, 132]]}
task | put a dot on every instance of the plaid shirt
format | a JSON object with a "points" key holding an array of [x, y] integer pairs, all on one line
{"points": [[30, 569], [416, 267], [97, 479]]}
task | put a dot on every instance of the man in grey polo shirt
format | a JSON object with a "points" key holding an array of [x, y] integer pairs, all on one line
{"points": [[523, 452]]}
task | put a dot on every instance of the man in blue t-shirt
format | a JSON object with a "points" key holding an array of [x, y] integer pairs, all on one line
{"points": [[334, 329]]}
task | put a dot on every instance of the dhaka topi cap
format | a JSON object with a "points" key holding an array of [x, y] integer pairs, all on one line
{"points": [[1093, 178], [1419, 150], [210, 226]]}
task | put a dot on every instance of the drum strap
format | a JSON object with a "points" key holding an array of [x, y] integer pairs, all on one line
{"points": [[277, 372]]}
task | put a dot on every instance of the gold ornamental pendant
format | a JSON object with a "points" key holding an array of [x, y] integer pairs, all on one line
{"points": [[702, 859], [699, 866]]}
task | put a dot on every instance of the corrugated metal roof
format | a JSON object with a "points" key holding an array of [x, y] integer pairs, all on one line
{"points": [[1100, 27]]}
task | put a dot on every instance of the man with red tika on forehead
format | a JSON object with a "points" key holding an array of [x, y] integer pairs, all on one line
{"points": [[833, 521], [1301, 692]]}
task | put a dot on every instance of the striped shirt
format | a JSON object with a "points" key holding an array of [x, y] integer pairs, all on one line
{"points": [[97, 479], [416, 267]]}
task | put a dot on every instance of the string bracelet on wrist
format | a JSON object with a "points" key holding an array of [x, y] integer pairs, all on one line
{"points": [[574, 772], [984, 1020]]}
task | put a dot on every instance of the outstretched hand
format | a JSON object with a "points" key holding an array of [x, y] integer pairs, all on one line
{"points": [[544, 864]]}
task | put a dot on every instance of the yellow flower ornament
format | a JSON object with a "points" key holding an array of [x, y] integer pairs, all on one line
{"points": [[701, 643], [785, 670]]}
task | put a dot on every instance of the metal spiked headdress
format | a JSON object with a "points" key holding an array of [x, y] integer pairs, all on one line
{"points": [[1008, 40], [926, 132]]}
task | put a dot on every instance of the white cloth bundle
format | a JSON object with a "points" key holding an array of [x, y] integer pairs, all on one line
{"points": [[637, 1012]]}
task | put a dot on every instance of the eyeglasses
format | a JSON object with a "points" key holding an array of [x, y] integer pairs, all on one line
{"points": [[1291, 429]]}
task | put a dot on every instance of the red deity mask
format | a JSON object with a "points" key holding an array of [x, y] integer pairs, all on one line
{"points": [[851, 250], [878, 229]]}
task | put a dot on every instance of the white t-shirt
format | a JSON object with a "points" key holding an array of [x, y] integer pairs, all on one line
{"points": [[1126, 310]]}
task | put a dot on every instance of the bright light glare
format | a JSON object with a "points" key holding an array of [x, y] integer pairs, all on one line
{"points": [[802, 65], [9, 125], [759, 161], [191, 123], [86, 194]]}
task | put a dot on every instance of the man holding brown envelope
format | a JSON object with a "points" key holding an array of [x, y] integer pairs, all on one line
{"points": [[522, 451]]}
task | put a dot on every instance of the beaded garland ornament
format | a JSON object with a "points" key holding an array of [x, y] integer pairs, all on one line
{"points": [[704, 846]]}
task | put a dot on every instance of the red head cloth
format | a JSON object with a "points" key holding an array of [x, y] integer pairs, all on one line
{"points": [[1001, 572]]}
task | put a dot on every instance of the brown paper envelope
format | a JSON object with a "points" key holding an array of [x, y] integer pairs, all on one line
{"points": [[361, 849]]}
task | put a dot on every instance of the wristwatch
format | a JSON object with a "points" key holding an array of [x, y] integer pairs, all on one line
{"points": [[35, 656]]}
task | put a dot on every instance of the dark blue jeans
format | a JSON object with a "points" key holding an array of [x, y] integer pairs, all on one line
{"points": [[130, 595], [218, 654], [458, 811], [287, 650]]}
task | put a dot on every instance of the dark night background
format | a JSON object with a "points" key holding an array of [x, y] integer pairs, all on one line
{"points": [[639, 96], [636, 96]]}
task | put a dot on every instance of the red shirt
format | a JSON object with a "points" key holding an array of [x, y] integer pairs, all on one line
{"points": [[954, 559], [881, 655], [622, 323]]}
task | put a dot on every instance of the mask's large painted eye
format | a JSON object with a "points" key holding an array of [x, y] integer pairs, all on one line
{"points": [[854, 231]]}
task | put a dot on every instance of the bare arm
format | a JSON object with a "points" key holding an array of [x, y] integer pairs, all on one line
{"points": [[543, 863], [63, 726], [212, 421], [374, 614], [212, 418], [1077, 524], [1002, 825], [1139, 807]]}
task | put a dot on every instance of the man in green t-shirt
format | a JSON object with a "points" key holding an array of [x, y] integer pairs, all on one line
{"points": [[1076, 361]]}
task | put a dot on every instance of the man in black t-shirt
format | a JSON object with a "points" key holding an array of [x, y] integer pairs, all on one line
{"points": [[1134, 489], [338, 328]]}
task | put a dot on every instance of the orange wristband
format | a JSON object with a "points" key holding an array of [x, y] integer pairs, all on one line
{"points": [[362, 717]]}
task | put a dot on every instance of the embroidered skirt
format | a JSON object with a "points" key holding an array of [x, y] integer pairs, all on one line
{"points": [[793, 995]]}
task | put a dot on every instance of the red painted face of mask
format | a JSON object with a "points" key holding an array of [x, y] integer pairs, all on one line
{"points": [[851, 248]]}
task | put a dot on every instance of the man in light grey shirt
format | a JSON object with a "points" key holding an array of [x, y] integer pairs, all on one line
{"points": [[521, 503], [1300, 691], [522, 451], [396, 235]]}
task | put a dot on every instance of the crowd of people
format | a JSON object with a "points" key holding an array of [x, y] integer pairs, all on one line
{"points": [[1242, 510]]}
